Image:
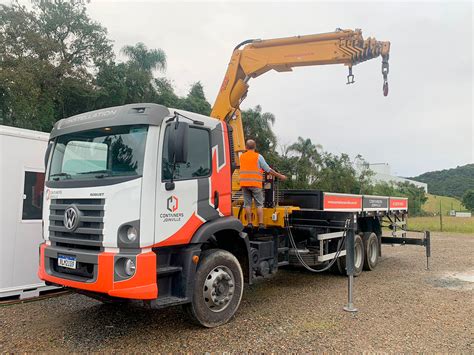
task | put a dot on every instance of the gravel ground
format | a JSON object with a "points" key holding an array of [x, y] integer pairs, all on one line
{"points": [[402, 308]]}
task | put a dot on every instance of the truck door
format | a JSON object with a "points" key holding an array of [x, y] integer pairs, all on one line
{"points": [[181, 210]]}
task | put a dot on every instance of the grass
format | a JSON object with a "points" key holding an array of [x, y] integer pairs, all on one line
{"points": [[450, 224], [447, 204]]}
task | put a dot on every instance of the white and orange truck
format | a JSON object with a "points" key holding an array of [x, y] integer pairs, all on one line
{"points": [[142, 203]]}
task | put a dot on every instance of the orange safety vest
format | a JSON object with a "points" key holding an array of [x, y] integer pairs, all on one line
{"points": [[250, 174]]}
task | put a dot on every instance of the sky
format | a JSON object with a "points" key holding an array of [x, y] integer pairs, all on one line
{"points": [[426, 122]]}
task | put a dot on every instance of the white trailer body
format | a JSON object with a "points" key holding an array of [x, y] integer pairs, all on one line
{"points": [[21, 194]]}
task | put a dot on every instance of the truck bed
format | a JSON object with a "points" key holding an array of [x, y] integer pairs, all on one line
{"points": [[330, 201]]}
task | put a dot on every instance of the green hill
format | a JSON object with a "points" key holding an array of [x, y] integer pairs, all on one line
{"points": [[449, 182], [447, 204]]}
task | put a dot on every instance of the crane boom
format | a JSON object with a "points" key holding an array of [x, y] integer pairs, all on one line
{"points": [[253, 58]]}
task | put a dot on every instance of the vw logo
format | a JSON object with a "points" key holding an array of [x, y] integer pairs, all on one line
{"points": [[71, 218]]}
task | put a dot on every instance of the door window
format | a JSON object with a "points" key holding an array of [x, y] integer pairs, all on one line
{"points": [[33, 195], [199, 157]]}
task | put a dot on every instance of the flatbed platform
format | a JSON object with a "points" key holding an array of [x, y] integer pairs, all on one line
{"points": [[330, 201]]}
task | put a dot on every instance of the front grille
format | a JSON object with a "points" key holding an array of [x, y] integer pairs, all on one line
{"points": [[89, 232]]}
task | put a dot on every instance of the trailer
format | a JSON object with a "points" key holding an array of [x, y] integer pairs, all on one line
{"points": [[22, 184]]}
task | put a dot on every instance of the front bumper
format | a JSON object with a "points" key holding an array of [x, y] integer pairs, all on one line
{"points": [[96, 272]]}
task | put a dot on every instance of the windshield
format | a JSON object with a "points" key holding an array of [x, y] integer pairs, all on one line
{"points": [[99, 153]]}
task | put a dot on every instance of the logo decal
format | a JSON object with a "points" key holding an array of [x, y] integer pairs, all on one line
{"points": [[172, 215], [172, 204], [71, 218]]}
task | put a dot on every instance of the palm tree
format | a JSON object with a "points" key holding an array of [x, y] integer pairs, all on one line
{"points": [[145, 59], [258, 126], [309, 160], [306, 149]]}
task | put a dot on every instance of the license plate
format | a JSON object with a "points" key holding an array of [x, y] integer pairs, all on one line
{"points": [[67, 261]]}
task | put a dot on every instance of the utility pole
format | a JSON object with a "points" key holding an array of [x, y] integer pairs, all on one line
{"points": [[440, 216]]}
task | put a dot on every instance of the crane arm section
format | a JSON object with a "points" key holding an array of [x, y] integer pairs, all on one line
{"points": [[257, 57]]}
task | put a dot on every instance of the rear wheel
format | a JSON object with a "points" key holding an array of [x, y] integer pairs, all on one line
{"points": [[371, 248], [218, 288], [358, 257]]}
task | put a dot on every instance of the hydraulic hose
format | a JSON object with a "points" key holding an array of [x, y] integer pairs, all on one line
{"points": [[300, 258]]}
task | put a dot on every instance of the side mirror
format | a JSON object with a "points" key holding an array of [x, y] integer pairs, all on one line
{"points": [[178, 142]]}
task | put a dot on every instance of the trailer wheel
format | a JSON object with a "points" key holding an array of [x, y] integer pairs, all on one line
{"points": [[358, 258], [218, 287], [371, 248]]}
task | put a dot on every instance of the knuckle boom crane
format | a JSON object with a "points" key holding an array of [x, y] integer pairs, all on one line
{"points": [[138, 198], [253, 58]]}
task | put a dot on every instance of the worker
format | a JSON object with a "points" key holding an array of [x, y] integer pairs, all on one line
{"points": [[252, 166]]}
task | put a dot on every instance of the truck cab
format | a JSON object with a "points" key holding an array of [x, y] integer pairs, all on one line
{"points": [[127, 190]]}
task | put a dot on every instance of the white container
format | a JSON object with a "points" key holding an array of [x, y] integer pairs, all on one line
{"points": [[21, 195]]}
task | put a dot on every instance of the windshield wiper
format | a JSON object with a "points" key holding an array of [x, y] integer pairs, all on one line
{"points": [[100, 173], [57, 175]]}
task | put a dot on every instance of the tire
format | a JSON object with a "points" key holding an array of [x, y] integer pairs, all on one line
{"points": [[218, 288], [371, 251], [338, 268], [358, 257]]}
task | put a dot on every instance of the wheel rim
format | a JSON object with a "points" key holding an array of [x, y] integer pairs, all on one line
{"points": [[357, 256], [218, 289], [373, 252]]}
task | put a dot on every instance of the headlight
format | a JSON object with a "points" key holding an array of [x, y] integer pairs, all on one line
{"points": [[132, 234], [129, 267]]}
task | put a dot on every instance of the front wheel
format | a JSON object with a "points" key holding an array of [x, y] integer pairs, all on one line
{"points": [[218, 288]]}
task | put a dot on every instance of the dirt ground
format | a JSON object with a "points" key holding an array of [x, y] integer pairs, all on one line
{"points": [[402, 307]]}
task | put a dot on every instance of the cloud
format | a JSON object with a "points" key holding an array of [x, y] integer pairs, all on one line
{"points": [[426, 122]]}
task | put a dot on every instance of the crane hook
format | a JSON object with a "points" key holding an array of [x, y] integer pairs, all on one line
{"points": [[350, 77], [385, 74], [385, 88]]}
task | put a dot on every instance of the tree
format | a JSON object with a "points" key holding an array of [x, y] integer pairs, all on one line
{"points": [[196, 101], [165, 93], [468, 199], [416, 197], [258, 126], [111, 83], [139, 72], [336, 174], [47, 54], [308, 163], [306, 149], [145, 59], [364, 176]]}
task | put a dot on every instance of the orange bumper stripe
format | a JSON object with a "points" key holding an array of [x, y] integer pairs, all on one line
{"points": [[142, 285]]}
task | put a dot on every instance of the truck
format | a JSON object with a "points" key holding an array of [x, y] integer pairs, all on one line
{"points": [[142, 201]]}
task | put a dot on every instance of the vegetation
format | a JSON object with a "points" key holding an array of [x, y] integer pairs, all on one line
{"points": [[47, 55], [432, 205], [450, 224], [468, 199], [57, 62], [450, 182]]}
